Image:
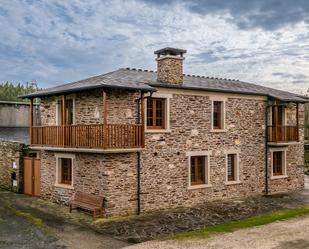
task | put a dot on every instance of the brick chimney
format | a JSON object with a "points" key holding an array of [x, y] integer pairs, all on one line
{"points": [[169, 67]]}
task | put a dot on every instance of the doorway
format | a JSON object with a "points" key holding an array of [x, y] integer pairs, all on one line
{"points": [[32, 176]]}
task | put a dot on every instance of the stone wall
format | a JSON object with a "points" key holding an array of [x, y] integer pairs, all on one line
{"points": [[165, 164], [11, 162], [122, 107], [110, 175], [164, 172]]}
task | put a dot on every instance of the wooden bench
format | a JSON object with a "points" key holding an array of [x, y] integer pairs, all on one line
{"points": [[88, 202]]}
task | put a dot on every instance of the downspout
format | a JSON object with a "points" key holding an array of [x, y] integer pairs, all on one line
{"points": [[266, 148], [138, 169]]}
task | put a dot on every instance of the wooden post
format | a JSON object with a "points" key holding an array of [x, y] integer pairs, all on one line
{"points": [[104, 120], [143, 120], [31, 120], [275, 122], [63, 117], [297, 122]]}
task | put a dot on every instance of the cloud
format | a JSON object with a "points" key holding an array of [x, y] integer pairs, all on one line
{"points": [[55, 41], [265, 14]]}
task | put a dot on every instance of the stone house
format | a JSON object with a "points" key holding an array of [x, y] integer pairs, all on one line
{"points": [[150, 140]]}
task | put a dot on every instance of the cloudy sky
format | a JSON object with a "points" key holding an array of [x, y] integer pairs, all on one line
{"points": [[55, 41]]}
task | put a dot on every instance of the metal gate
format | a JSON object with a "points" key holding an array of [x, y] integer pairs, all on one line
{"points": [[32, 176]]}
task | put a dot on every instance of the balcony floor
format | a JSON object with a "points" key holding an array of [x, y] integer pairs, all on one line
{"points": [[86, 150], [274, 144]]}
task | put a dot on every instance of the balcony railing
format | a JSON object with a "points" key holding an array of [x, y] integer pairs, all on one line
{"points": [[96, 136], [284, 134]]}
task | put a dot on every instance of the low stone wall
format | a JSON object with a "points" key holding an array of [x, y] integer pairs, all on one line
{"points": [[11, 162]]}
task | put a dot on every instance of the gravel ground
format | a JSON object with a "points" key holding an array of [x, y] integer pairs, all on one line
{"points": [[163, 223], [289, 234], [27, 222], [77, 230]]}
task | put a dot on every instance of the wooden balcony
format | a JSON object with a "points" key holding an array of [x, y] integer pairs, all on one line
{"points": [[94, 136], [283, 134]]}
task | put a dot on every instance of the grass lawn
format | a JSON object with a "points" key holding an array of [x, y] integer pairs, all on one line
{"points": [[245, 223]]}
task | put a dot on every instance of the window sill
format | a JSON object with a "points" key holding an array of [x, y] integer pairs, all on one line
{"points": [[278, 177], [199, 186], [63, 186], [233, 182], [218, 130], [157, 131]]}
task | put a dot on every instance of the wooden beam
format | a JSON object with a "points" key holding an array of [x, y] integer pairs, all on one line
{"points": [[63, 111], [31, 119], [143, 120], [104, 120], [63, 121]]}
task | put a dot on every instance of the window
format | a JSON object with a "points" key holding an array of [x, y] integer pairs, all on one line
{"points": [[277, 115], [218, 115], [232, 167], [156, 113], [277, 163], [197, 169], [64, 170], [69, 111]]}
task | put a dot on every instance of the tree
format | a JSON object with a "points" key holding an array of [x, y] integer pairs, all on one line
{"points": [[11, 92]]}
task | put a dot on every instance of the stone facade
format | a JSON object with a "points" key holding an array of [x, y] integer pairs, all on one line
{"points": [[11, 164], [164, 160], [112, 176], [170, 70], [122, 107]]}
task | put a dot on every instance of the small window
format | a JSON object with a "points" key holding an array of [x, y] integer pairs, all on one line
{"points": [[232, 167], [197, 168], [278, 163], [65, 171], [217, 115], [156, 113]]}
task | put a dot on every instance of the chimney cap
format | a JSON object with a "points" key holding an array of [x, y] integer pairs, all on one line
{"points": [[170, 51]]}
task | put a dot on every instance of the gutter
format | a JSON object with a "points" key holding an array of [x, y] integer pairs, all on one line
{"points": [[138, 166]]}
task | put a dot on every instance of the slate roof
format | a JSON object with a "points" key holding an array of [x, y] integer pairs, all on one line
{"points": [[14, 134], [144, 80]]}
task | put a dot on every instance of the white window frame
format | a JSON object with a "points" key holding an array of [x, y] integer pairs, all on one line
{"points": [[58, 108], [237, 173], [167, 98], [206, 154], [284, 175], [223, 100], [58, 183]]}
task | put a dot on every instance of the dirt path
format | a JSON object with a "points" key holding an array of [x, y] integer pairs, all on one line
{"points": [[287, 234]]}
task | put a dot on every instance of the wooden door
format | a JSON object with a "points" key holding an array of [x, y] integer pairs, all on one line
{"points": [[32, 176], [28, 176]]}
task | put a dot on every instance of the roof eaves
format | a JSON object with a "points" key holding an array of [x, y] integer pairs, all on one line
{"points": [[299, 99], [46, 93]]}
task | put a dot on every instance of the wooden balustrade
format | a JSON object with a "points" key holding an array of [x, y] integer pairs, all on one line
{"points": [[117, 136], [283, 134]]}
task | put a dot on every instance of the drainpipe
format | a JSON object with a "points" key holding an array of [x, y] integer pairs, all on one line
{"points": [[266, 148], [138, 169]]}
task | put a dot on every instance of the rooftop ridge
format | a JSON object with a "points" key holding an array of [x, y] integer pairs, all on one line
{"points": [[188, 75]]}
